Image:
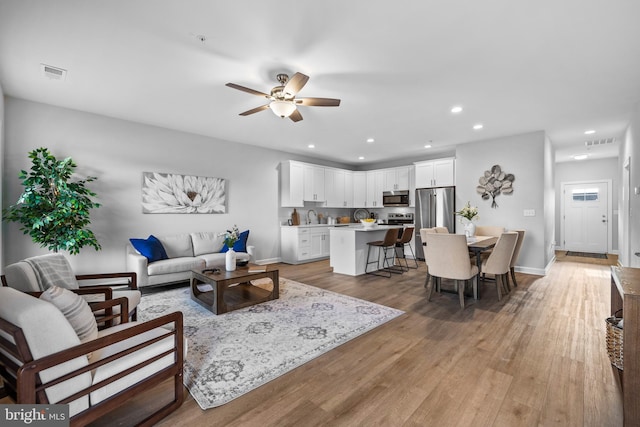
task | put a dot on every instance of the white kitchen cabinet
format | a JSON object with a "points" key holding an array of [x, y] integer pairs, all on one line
{"points": [[435, 173], [338, 188], [375, 185], [396, 178], [412, 186], [319, 242], [303, 244], [291, 184], [313, 183], [359, 189]]}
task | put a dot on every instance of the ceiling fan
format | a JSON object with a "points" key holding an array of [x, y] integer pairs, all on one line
{"points": [[283, 101]]}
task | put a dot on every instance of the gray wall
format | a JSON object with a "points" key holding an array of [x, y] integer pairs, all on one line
{"points": [[117, 152], [629, 203], [524, 156], [589, 170]]}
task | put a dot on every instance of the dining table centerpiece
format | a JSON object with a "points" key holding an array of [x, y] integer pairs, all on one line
{"points": [[468, 214]]}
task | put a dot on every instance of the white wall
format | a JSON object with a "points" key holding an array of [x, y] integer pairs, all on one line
{"points": [[117, 152], [524, 156], [629, 203], [589, 170]]}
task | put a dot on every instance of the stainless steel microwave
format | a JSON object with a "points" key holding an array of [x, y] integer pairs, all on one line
{"points": [[395, 198]]}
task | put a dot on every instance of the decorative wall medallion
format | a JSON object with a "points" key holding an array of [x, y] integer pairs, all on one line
{"points": [[172, 193], [495, 182]]}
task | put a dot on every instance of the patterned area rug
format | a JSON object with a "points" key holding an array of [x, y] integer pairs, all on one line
{"points": [[587, 254], [233, 353]]}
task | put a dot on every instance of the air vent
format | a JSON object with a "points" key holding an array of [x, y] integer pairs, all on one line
{"points": [[53, 73], [596, 142]]}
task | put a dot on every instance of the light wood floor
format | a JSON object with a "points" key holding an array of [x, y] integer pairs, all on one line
{"points": [[536, 358]]}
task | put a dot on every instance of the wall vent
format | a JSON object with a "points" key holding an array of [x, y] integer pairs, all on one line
{"points": [[596, 142], [53, 73]]}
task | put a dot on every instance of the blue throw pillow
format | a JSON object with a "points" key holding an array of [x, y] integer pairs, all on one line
{"points": [[150, 248], [240, 245]]}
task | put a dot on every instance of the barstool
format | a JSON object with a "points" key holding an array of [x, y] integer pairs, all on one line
{"points": [[389, 242], [402, 242]]}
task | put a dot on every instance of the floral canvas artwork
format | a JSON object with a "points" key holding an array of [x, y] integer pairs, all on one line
{"points": [[173, 193]]}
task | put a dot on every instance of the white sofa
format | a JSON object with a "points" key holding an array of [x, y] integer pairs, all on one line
{"points": [[185, 252]]}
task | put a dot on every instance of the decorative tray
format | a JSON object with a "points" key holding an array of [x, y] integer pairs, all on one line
{"points": [[360, 214]]}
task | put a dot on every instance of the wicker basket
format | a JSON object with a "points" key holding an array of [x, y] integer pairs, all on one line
{"points": [[615, 340]]}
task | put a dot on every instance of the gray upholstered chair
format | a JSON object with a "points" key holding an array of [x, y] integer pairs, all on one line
{"points": [[423, 239], [489, 230], [447, 257], [516, 254], [443, 230], [44, 359], [37, 273], [498, 262]]}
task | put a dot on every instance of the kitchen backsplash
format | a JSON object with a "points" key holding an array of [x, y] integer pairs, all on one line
{"points": [[318, 214]]}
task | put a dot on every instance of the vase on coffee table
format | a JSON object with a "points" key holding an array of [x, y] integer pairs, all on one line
{"points": [[230, 260]]}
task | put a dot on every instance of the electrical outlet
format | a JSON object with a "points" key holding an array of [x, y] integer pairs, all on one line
{"points": [[529, 212]]}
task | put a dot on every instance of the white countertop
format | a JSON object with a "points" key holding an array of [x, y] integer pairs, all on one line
{"points": [[357, 227]]}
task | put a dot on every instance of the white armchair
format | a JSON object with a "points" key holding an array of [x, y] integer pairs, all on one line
{"points": [[37, 273], [42, 359]]}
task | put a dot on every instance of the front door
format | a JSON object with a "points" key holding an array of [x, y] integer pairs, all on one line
{"points": [[585, 224]]}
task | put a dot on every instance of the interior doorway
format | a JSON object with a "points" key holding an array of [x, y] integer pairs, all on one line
{"points": [[586, 212]]}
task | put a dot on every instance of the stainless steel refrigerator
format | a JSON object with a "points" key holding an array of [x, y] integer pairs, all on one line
{"points": [[435, 207]]}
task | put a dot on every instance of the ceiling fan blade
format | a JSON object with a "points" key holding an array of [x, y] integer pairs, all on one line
{"points": [[318, 102], [255, 110], [246, 89], [296, 116], [295, 84]]}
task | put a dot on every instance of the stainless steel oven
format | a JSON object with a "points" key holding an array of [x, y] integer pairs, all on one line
{"points": [[395, 198]]}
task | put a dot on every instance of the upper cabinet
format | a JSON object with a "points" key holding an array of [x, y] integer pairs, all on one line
{"points": [[359, 189], [435, 173], [291, 184], [396, 179], [375, 185], [338, 188], [313, 183]]}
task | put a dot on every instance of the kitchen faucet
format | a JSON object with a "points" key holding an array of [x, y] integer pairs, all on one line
{"points": [[309, 215]]}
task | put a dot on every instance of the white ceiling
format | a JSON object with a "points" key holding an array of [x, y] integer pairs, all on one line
{"points": [[398, 67]]}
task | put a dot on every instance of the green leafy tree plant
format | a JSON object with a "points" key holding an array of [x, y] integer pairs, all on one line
{"points": [[53, 209]]}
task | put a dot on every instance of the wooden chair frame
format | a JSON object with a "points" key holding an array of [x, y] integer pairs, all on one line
{"points": [[24, 385]]}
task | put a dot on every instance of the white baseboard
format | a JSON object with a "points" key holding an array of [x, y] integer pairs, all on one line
{"points": [[529, 270], [268, 261]]}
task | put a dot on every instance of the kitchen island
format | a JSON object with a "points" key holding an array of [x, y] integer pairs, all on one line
{"points": [[348, 247]]}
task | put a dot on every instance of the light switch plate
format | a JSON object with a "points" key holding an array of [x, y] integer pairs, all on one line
{"points": [[529, 212]]}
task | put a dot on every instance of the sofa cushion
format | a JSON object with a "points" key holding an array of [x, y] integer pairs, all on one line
{"points": [[206, 242], [151, 248], [177, 245], [75, 309], [240, 245], [175, 265]]}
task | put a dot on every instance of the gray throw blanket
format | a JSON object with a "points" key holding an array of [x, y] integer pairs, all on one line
{"points": [[53, 270]]}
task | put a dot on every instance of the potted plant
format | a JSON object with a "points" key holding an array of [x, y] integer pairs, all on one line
{"points": [[54, 209], [470, 214]]}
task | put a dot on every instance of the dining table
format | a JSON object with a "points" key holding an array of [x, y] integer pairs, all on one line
{"points": [[477, 245]]}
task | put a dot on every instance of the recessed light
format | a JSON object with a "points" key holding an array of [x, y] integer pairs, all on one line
{"points": [[456, 109], [370, 140], [580, 156], [427, 146], [311, 146], [361, 158], [589, 132], [478, 126]]}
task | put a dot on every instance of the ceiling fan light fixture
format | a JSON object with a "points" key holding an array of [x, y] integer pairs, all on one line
{"points": [[282, 108]]}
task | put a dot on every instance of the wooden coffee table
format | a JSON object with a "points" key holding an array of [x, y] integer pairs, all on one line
{"points": [[224, 291]]}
